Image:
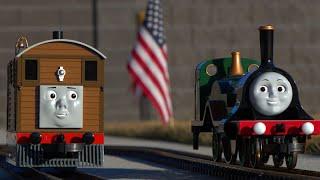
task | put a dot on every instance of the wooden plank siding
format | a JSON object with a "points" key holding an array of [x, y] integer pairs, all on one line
{"points": [[49, 57], [57, 49], [29, 105], [49, 67]]}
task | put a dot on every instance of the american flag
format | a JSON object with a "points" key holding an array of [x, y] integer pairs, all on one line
{"points": [[148, 64]]}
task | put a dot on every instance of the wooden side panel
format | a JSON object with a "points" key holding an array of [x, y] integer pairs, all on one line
{"points": [[28, 108], [29, 113], [91, 108], [57, 49], [49, 67]]}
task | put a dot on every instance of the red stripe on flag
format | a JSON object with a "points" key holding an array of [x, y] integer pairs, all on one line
{"points": [[152, 77], [164, 53], [142, 42], [149, 62], [148, 94]]}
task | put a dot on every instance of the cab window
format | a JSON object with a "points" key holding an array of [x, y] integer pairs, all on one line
{"points": [[31, 69]]}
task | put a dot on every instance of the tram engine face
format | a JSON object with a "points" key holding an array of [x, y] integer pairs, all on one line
{"points": [[61, 106], [270, 94]]}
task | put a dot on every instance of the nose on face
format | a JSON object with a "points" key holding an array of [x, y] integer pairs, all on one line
{"points": [[61, 104], [273, 93]]}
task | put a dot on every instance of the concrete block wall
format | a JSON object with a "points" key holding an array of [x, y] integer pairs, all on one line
{"points": [[196, 30]]}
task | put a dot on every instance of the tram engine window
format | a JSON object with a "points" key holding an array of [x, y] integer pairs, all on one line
{"points": [[31, 70], [91, 71]]}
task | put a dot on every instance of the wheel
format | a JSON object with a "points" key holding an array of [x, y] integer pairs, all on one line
{"points": [[265, 158], [277, 160], [229, 157], [242, 144], [291, 157], [291, 160], [256, 160], [216, 147]]}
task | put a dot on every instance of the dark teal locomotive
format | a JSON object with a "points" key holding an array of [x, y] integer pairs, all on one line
{"points": [[252, 109]]}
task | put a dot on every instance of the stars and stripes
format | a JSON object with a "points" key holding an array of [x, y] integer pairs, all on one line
{"points": [[148, 64]]}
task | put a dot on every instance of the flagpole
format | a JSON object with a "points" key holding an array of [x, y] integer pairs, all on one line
{"points": [[148, 65], [144, 103], [95, 23]]}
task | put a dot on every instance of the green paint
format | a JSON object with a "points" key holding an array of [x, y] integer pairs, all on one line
{"points": [[204, 81]]}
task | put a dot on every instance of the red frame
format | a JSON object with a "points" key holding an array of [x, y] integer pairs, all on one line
{"points": [[291, 127], [49, 138]]}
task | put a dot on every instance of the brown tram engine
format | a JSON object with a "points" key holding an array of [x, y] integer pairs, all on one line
{"points": [[55, 104]]}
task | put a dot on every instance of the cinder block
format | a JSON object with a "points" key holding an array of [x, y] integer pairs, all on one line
{"points": [[40, 17], [125, 16], [33, 3], [8, 39], [118, 79], [76, 17], [178, 36], [117, 38]]}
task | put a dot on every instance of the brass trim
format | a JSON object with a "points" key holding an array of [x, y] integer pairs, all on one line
{"points": [[22, 42], [236, 66], [266, 27], [256, 66], [208, 70], [141, 17]]}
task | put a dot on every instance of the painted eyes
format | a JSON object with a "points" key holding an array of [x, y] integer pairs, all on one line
{"points": [[263, 88], [72, 95], [52, 95], [280, 89]]}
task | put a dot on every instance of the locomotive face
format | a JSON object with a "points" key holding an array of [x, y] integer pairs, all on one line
{"points": [[270, 93], [61, 106]]}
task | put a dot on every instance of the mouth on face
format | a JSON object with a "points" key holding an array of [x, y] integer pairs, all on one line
{"points": [[62, 115], [272, 102]]}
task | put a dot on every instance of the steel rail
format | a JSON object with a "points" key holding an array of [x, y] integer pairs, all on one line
{"points": [[203, 164], [44, 173], [182, 160]]}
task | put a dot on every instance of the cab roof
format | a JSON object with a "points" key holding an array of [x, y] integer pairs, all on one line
{"points": [[90, 48]]}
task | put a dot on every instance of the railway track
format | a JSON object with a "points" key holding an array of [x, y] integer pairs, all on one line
{"points": [[50, 174], [45, 173], [204, 164], [182, 160]]}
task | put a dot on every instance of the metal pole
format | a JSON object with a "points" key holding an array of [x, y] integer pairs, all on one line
{"points": [[144, 102], [145, 108], [95, 23]]}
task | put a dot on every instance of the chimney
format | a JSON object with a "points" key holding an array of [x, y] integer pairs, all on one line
{"points": [[266, 44], [57, 35]]}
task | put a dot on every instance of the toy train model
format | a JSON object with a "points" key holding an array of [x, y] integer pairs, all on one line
{"points": [[55, 104], [251, 108]]}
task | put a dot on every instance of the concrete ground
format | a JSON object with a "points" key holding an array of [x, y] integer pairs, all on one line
{"points": [[132, 168], [305, 161]]}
